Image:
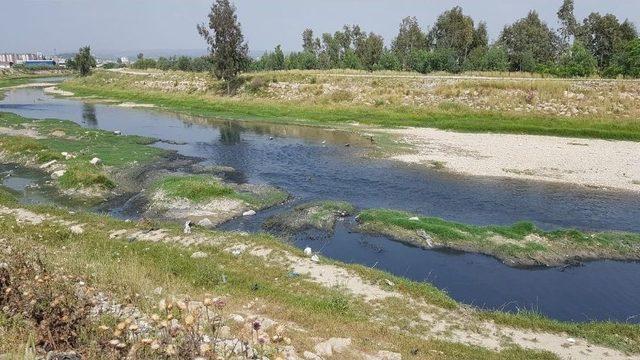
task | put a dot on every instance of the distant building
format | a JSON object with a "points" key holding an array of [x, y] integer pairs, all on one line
{"points": [[39, 63]]}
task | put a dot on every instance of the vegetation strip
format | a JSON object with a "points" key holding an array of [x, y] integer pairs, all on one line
{"points": [[454, 118], [521, 244]]}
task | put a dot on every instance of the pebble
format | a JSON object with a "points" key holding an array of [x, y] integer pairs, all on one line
{"points": [[95, 161], [199, 255], [308, 251], [249, 213], [315, 258], [205, 223]]}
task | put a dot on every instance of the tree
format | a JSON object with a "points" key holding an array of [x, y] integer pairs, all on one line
{"points": [[309, 44], [568, 22], [278, 59], [480, 36], [84, 61], [627, 62], [529, 42], [410, 38], [578, 62], [389, 61], [453, 30], [226, 43], [370, 51], [605, 36]]}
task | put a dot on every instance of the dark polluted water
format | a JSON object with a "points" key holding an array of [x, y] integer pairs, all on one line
{"points": [[312, 164]]}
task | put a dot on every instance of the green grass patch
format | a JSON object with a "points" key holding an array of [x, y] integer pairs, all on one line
{"points": [[58, 136], [447, 117], [197, 188], [505, 242]]}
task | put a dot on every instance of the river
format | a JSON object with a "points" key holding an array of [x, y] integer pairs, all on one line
{"points": [[314, 164]]}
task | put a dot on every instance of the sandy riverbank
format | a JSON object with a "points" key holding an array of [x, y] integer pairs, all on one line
{"points": [[588, 162]]}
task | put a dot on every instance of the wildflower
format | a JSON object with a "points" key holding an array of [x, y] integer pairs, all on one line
{"points": [[121, 326], [207, 302], [262, 340], [189, 320], [155, 345], [220, 304], [256, 325]]}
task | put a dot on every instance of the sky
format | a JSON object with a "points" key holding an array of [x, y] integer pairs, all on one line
{"points": [[137, 25]]}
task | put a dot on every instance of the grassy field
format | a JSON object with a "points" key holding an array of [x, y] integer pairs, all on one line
{"points": [[516, 245], [341, 101]]}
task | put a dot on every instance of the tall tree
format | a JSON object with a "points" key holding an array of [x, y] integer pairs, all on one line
{"points": [[84, 61], [568, 22], [453, 30], [370, 51], [226, 43], [480, 36], [529, 42], [278, 58], [309, 44], [410, 38], [605, 36]]}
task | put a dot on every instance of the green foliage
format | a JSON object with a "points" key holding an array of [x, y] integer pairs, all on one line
{"points": [[454, 30], [529, 42], [223, 34], [605, 36], [577, 63], [83, 61], [196, 188], [627, 62], [410, 39]]}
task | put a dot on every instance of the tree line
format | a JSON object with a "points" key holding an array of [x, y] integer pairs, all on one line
{"points": [[599, 44], [456, 42]]}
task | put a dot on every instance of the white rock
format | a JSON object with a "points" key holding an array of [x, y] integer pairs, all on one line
{"points": [[187, 227], [47, 164], [225, 332], [384, 355], [571, 340], [311, 356], [77, 229], [205, 223], [67, 155], [389, 282], [95, 161], [58, 174], [315, 258], [237, 318], [117, 132], [249, 213], [158, 290], [327, 348], [199, 255], [308, 251], [415, 218]]}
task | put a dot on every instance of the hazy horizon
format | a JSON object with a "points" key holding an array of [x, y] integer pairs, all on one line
{"points": [[128, 27]]}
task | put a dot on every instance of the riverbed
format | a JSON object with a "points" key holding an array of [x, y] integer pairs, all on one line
{"points": [[315, 164]]}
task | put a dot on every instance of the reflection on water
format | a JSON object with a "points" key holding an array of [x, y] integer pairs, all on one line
{"points": [[230, 133], [89, 117], [313, 163]]}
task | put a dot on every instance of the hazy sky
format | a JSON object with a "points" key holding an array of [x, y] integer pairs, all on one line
{"points": [[30, 25]]}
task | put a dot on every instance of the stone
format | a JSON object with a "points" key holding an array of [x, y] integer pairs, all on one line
{"points": [[199, 255], [426, 237], [187, 227], [315, 258], [237, 318], [47, 164], [384, 355], [311, 356], [415, 218], [249, 213], [225, 332], [337, 345], [308, 251], [389, 282], [571, 341], [77, 229], [158, 290], [117, 132], [205, 223], [58, 133], [58, 174], [95, 161]]}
